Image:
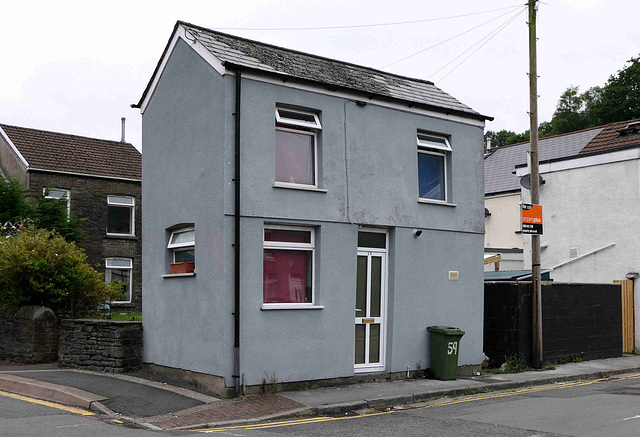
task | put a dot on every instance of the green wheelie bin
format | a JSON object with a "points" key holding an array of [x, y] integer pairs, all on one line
{"points": [[445, 344]]}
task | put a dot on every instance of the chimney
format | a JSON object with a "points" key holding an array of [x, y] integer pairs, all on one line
{"points": [[122, 136]]}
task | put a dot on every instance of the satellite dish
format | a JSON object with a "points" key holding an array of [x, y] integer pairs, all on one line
{"points": [[525, 181]]}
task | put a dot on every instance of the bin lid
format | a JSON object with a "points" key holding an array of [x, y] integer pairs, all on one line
{"points": [[446, 330]]}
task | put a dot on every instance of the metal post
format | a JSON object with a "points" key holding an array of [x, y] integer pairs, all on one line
{"points": [[535, 187]]}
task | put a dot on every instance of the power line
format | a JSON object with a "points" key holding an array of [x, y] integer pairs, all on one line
{"points": [[362, 26], [488, 38], [450, 39]]}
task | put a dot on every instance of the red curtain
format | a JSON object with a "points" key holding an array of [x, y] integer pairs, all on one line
{"points": [[286, 276]]}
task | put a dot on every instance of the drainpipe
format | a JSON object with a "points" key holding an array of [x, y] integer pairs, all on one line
{"points": [[236, 245]]}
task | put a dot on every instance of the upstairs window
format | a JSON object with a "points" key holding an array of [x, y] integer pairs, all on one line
{"points": [[119, 269], [182, 244], [59, 194], [120, 215], [433, 155], [296, 147]]}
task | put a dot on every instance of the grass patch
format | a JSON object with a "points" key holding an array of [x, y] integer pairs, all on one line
{"points": [[128, 316]]}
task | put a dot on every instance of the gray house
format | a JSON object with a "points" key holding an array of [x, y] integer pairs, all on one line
{"points": [[332, 212]]}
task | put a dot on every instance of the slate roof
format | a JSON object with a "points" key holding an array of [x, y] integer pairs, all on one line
{"points": [[499, 167], [53, 151], [235, 51]]}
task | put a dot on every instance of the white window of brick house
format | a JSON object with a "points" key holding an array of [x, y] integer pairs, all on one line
{"points": [[120, 269], [121, 215], [296, 148], [59, 194]]}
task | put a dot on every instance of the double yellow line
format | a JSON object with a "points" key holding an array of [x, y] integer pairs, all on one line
{"points": [[47, 404], [470, 398]]}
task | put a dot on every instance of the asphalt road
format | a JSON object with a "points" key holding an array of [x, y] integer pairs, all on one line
{"points": [[590, 408], [600, 408], [21, 416]]}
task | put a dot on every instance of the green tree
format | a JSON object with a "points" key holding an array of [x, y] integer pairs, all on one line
{"points": [[505, 137], [13, 204], [16, 204], [619, 99], [571, 114], [39, 267]]}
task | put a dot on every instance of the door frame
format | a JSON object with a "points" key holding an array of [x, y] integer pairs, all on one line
{"points": [[384, 301]]}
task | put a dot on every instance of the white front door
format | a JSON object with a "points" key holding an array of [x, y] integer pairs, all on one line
{"points": [[371, 302]]}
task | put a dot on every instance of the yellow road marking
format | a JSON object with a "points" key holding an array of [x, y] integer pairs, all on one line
{"points": [[471, 398], [47, 404]]}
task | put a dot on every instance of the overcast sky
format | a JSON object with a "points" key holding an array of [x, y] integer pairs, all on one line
{"points": [[77, 66]]}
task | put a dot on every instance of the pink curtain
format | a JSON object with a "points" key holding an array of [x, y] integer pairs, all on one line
{"points": [[294, 158], [286, 276]]}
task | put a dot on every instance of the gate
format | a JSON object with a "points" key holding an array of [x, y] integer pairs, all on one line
{"points": [[627, 315]]}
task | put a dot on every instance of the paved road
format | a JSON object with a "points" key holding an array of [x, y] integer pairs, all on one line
{"points": [[21, 416], [590, 408]]}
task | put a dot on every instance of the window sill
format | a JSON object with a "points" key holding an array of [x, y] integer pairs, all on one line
{"points": [[436, 202], [290, 306], [298, 187], [178, 275], [123, 236]]}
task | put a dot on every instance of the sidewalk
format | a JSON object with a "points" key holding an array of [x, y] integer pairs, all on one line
{"points": [[156, 402]]}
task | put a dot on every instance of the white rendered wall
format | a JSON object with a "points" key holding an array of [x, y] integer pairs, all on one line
{"points": [[586, 209], [504, 221]]}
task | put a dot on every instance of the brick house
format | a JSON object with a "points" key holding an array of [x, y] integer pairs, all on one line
{"points": [[100, 180]]}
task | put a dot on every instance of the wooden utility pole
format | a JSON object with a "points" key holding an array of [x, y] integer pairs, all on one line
{"points": [[535, 187]]}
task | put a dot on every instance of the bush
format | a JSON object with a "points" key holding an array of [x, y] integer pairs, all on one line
{"points": [[514, 364], [39, 267], [16, 204]]}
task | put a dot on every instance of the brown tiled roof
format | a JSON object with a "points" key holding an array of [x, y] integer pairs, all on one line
{"points": [[53, 151], [614, 136]]}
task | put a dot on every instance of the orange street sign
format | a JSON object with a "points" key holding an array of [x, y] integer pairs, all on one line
{"points": [[531, 219]]}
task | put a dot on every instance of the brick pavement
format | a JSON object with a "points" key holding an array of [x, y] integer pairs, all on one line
{"points": [[226, 410]]}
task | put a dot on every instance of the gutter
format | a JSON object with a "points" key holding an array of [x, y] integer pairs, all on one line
{"points": [[236, 245]]}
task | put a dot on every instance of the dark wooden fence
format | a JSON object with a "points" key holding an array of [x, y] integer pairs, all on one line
{"points": [[579, 321]]}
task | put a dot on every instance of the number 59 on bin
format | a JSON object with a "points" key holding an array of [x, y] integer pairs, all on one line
{"points": [[452, 349]]}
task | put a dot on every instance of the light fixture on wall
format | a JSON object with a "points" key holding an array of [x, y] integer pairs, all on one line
{"points": [[417, 233]]}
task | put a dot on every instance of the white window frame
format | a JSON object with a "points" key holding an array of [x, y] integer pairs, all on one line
{"points": [[66, 196], [438, 145], [132, 216], [107, 274], [177, 247], [283, 245], [281, 117], [312, 128]]}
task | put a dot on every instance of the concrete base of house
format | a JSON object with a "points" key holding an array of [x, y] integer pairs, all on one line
{"points": [[216, 384], [211, 383]]}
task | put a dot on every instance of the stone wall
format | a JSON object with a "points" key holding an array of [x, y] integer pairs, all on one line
{"points": [[101, 345], [29, 335], [579, 321]]}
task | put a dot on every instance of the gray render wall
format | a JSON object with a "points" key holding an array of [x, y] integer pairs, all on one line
{"points": [[188, 129]]}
